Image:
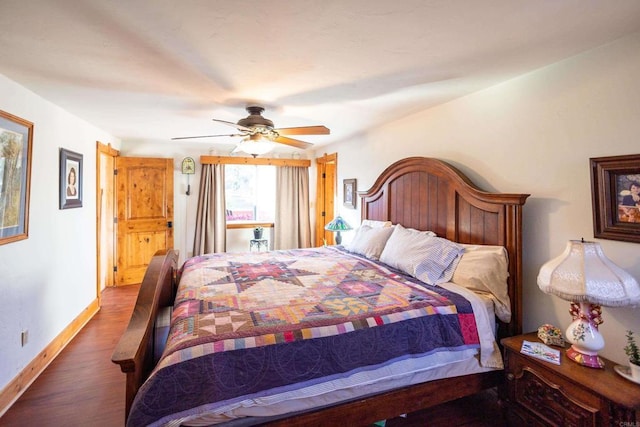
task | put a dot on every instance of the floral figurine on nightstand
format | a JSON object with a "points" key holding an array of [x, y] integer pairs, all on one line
{"points": [[550, 335]]}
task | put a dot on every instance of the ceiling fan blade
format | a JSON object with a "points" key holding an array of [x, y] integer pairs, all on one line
{"points": [[304, 130], [205, 136], [292, 142], [235, 125]]}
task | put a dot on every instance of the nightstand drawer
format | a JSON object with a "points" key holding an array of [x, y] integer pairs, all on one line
{"points": [[549, 399], [539, 393]]}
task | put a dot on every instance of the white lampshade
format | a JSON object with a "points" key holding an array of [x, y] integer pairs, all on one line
{"points": [[582, 273]]}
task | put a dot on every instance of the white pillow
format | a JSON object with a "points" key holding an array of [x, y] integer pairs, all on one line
{"points": [[422, 255], [376, 224], [485, 268], [369, 241]]}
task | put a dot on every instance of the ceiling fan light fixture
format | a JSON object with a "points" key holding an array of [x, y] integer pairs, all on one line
{"points": [[255, 127], [256, 145]]}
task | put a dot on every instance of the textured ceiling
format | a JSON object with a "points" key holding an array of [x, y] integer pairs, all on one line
{"points": [[156, 69]]}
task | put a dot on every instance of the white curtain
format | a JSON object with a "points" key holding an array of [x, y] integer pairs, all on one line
{"points": [[292, 222], [211, 218]]}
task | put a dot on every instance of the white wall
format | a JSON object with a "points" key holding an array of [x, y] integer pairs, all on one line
{"points": [[48, 279], [534, 134]]}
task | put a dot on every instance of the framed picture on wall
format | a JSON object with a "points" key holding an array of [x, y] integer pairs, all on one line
{"points": [[349, 192], [615, 186], [70, 179], [16, 137]]}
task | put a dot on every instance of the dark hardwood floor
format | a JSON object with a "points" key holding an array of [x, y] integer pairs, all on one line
{"points": [[82, 387]]}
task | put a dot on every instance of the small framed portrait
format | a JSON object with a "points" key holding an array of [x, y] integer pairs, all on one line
{"points": [[615, 185], [70, 179], [349, 192]]}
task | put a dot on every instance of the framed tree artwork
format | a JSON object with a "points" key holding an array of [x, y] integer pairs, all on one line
{"points": [[349, 192], [615, 187], [70, 179], [16, 139]]}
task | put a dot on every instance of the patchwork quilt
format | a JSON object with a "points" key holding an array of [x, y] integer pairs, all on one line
{"points": [[245, 325]]}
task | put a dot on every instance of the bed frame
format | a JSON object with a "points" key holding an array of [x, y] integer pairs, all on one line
{"points": [[417, 192]]}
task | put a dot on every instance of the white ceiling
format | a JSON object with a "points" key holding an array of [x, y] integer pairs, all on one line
{"points": [[156, 69]]}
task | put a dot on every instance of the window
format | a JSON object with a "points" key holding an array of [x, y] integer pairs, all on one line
{"points": [[250, 193]]}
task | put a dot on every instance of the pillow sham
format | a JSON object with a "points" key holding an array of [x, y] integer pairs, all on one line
{"points": [[369, 241], [485, 268], [421, 254], [375, 224]]}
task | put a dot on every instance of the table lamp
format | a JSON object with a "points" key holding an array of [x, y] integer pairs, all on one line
{"points": [[583, 275], [338, 224]]}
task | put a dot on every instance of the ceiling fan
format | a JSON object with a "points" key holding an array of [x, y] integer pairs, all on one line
{"points": [[259, 134]]}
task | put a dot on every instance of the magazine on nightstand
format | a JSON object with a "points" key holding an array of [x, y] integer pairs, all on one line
{"points": [[540, 351]]}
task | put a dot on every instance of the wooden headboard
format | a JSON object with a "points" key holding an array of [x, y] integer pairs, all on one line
{"points": [[429, 194]]}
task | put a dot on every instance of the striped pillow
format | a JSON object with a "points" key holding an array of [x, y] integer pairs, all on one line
{"points": [[442, 258], [422, 255]]}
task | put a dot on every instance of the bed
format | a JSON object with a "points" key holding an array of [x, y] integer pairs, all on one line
{"points": [[417, 195]]}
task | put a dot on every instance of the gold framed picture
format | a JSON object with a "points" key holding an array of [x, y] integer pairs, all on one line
{"points": [[16, 139]]}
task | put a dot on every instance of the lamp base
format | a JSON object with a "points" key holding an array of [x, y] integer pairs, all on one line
{"points": [[338, 238], [584, 336], [584, 359]]}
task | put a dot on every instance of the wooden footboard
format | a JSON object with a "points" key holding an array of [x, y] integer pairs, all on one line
{"points": [[393, 403], [137, 348]]}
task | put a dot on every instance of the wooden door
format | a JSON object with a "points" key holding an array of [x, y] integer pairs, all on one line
{"points": [[326, 190], [105, 224], [145, 214]]}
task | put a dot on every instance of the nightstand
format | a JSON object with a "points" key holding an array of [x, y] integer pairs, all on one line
{"points": [[544, 394]]}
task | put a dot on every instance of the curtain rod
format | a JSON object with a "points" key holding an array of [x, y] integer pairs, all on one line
{"points": [[225, 160]]}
